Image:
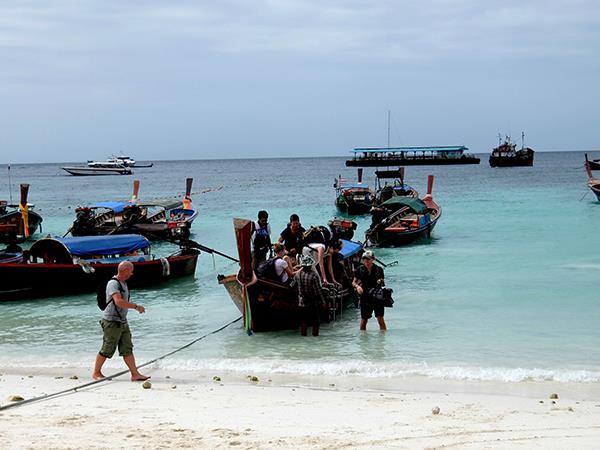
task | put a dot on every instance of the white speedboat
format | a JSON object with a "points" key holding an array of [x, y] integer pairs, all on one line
{"points": [[83, 170]]}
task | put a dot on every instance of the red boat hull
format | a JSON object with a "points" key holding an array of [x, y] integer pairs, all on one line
{"points": [[33, 280]]}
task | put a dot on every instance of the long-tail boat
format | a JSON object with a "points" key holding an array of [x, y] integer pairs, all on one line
{"points": [[397, 189], [353, 198], [507, 155], [403, 220], [64, 266], [18, 222], [593, 163], [593, 183], [268, 305], [160, 219]]}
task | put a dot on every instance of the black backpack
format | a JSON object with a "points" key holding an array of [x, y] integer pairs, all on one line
{"points": [[101, 293], [266, 269]]}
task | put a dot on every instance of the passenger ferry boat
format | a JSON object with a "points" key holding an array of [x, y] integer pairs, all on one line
{"points": [[410, 156]]}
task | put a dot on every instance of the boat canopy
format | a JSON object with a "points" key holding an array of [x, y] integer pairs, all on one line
{"points": [[116, 207], [415, 204], [89, 246], [350, 248], [439, 149], [166, 203], [354, 186]]}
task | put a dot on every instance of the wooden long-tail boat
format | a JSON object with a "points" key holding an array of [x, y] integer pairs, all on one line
{"points": [[403, 220], [397, 188], [19, 222], [353, 198], [268, 305], [593, 183], [160, 219], [63, 266]]}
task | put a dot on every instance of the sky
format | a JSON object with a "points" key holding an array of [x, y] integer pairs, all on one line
{"points": [[176, 79]]}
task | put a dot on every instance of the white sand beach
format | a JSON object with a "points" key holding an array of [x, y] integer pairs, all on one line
{"points": [[191, 410]]}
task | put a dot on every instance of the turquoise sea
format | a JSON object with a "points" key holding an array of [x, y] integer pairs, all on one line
{"points": [[505, 290]]}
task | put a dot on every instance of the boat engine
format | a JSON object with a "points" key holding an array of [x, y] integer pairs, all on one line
{"points": [[342, 228], [84, 222]]}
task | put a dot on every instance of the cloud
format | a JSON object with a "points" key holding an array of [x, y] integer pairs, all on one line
{"points": [[352, 30]]}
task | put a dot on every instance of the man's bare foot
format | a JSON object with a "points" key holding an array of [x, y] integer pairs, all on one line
{"points": [[98, 376], [140, 377]]}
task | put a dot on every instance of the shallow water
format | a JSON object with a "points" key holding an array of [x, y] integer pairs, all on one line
{"points": [[505, 290]]}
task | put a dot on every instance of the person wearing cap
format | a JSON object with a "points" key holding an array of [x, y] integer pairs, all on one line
{"points": [[310, 296], [366, 277]]}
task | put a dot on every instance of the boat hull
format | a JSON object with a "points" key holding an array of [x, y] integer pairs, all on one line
{"points": [[11, 226], [349, 206], [502, 161], [39, 280], [96, 171], [400, 238], [425, 161], [274, 306]]}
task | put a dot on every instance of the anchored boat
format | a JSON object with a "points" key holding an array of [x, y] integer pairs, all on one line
{"points": [[63, 266], [403, 220], [18, 222], [507, 155], [353, 198]]}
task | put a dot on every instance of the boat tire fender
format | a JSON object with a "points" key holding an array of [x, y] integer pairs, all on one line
{"points": [[166, 268]]}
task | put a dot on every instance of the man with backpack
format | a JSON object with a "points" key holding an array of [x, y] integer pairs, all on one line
{"points": [[114, 323], [260, 239]]}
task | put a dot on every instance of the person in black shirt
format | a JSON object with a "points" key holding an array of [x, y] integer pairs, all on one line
{"points": [[292, 236], [366, 277]]}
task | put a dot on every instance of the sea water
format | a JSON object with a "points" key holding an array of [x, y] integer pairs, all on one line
{"points": [[506, 289]]}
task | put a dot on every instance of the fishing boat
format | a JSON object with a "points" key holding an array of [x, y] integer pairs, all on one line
{"points": [[507, 155], [118, 161], [18, 222], [90, 171], [403, 220], [64, 266], [269, 305], [593, 183], [353, 198], [159, 219], [397, 189]]}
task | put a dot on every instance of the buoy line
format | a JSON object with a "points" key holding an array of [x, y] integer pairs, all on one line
{"points": [[118, 374]]}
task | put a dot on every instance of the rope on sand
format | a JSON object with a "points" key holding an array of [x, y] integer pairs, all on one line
{"points": [[118, 374]]}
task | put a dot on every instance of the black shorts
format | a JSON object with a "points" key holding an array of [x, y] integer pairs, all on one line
{"points": [[367, 308]]}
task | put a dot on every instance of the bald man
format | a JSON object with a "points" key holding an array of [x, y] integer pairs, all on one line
{"points": [[114, 324]]}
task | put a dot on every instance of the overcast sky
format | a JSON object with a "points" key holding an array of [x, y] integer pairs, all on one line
{"points": [[225, 79]]}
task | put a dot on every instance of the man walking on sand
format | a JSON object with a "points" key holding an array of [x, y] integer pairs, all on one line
{"points": [[114, 324]]}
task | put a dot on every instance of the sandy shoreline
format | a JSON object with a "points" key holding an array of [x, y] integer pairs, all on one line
{"points": [[191, 410]]}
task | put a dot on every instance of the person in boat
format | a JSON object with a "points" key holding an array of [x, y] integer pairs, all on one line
{"points": [[292, 236], [283, 270], [333, 260], [261, 239], [310, 296], [316, 241], [366, 277], [114, 324]]}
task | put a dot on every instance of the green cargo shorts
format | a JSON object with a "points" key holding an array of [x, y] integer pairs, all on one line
{"points": [[115, 334]]}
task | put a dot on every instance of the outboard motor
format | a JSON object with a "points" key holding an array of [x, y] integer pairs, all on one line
{"points": [[84, 222], [342, 228]]}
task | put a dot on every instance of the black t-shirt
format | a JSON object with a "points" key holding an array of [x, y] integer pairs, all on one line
{"points": [[291, 240], [368, 280]]}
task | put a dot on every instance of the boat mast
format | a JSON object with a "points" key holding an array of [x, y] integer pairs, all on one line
{"points": [[9, 185], [389, 119], [522, 139]]}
